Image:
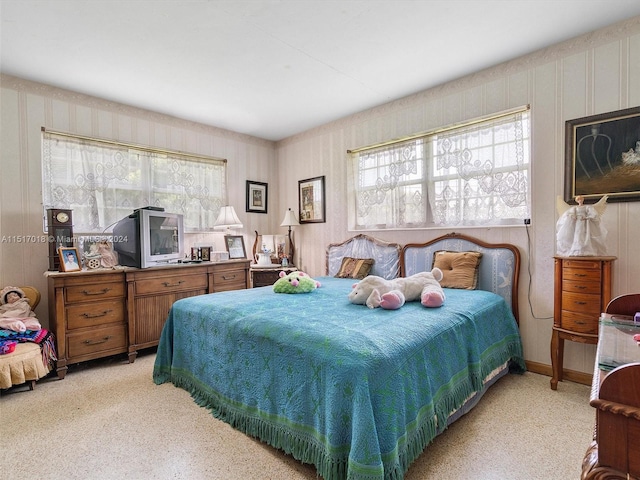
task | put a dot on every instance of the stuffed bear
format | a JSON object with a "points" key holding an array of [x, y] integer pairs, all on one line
{"points": [[295, 282], [374, 291]]}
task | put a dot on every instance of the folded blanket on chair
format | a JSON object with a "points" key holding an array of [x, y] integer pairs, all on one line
{"points": [[43, 337]]}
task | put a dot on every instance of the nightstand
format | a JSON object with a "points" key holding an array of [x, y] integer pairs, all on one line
{"points": [[266, 276]]}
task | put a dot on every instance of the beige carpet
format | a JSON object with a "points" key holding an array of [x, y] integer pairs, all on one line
{"points": [[108, 420]]}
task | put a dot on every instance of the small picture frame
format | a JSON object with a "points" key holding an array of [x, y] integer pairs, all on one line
{"points": [[257, 196], [311, 200], [205, 254], [235, 246], [69, 259]]}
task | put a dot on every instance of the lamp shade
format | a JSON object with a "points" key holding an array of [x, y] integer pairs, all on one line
{"points": [[290, 219], [227, 219]]}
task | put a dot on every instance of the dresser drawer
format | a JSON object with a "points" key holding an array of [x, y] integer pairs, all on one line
{"points": [[581, 303], [97, 340], [93, 292], [582, 263], [581, 275], [171, 284], [95, 314], [235, 279], [588, 287], [579, 322]]}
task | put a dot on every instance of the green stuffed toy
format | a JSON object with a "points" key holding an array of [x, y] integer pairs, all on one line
{"points": [[295, 282]]}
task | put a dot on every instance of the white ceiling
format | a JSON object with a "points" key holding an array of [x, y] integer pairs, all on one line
{"points": [[274, 68]]}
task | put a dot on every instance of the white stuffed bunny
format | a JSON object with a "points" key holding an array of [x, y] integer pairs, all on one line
{"points": [[374, 291]]}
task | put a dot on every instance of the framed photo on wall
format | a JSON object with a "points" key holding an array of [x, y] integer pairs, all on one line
{"points": [[70, 260], [235, 246], [311, 200], [257, 196], [602, 156]]}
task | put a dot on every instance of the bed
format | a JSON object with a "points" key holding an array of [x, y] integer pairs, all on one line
{"points": [[357, 392]]}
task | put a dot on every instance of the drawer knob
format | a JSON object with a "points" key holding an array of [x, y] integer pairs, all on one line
{"points": [[97, 315], [580, 275], [99, 292], [168, 284], [580, 322], [580, 303], [225, 277], [91, 342]]}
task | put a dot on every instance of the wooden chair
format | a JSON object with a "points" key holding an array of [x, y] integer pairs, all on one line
{"points": [[627, 304]]}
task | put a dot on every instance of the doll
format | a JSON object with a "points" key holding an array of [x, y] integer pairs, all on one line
{"points": [[15, 311], [579, 230]]}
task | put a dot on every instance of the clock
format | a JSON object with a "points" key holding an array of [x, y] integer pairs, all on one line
{"points": [[62, 217], [60, 230]]}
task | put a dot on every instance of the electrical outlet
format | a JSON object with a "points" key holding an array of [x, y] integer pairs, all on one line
{"points": [[527, 221]]}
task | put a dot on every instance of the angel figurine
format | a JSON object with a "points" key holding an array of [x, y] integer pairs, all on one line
{"points": [[579, 231]]}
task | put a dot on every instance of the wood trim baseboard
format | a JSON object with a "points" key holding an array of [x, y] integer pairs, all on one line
{"points": [[570, 375]]}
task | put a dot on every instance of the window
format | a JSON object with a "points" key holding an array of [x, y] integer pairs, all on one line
{"points": [[476, 174], [103, 182]]}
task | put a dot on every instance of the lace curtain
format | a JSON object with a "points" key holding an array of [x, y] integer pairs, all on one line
{"points": [[103, 182], [476, 174]]}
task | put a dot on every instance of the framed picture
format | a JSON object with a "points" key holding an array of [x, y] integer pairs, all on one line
{"points": [[257, 196], [602, 157], [69, 259], [205, 254], [311, 200], [235, 246]]}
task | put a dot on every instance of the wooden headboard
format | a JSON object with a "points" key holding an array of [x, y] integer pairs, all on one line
{"points": [[499, 268]]}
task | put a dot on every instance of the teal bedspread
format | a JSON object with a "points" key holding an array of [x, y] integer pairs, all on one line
{"points": [[359, 393]]}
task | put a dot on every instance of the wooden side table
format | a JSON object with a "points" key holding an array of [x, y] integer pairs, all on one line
{"points": [[263, 276], [582, 291]]}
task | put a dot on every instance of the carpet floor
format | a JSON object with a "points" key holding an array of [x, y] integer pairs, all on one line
{"points": [[108, 420]]}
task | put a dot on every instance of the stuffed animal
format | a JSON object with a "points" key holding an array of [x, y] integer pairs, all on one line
{"points": [[295, 282], [374, 291]]}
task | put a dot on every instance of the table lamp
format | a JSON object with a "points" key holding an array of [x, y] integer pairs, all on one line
{"points": [[290, 219], [227, 219]]}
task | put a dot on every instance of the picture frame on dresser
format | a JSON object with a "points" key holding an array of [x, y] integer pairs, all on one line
{"points": [[70, 260], [235, 246], [602, 156]]}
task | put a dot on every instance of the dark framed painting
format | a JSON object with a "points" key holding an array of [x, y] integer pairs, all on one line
{"points": [[311, 200], [602, 157], [257, 196], [235, 246]]}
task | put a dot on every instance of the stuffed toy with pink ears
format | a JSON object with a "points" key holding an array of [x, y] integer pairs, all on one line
{"points": [[295, 282]]}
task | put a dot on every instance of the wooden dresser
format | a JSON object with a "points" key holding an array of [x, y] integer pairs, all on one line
{"points": [[582, 291], [263, 277], [99, 313]]}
